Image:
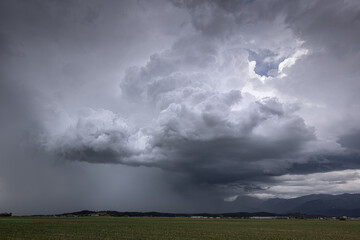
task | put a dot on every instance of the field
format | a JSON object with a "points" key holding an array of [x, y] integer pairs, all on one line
{"points": [[174, 228]]}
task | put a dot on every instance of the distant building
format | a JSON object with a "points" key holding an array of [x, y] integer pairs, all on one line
{"points": [[269, 217]]}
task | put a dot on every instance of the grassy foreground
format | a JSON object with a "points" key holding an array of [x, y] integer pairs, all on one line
{"points": [[174, 228]]}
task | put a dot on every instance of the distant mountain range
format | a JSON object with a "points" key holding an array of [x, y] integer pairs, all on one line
{"points": [[309, 206], [316, 204]]}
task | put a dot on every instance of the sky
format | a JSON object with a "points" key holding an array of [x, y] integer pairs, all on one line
{"points": [[176, 106]]}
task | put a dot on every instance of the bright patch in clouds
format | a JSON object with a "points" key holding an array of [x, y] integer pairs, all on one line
{"points": [[288, 62], [335, 182]]}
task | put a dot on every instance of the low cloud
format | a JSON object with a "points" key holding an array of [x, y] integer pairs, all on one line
{"points": [[334, 182]]}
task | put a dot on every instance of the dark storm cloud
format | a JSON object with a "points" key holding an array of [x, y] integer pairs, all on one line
{"points": [[215, 137], [56, 58], [351, 140], [209, 99], [198, 126]]}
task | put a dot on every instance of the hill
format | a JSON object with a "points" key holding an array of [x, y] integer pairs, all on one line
{"points": [[317, 204]]}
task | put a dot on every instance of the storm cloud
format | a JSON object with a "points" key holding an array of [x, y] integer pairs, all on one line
{"points": [[205, 101]]}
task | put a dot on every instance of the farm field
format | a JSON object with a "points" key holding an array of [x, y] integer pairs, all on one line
{"points": [[174, 228]]}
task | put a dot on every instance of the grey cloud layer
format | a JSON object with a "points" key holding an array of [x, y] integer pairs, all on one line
{"points": [[213, 99], [199, 126], [197, 119]]}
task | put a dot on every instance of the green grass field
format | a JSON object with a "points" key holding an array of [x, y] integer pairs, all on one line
{"points": [[174, 228]]}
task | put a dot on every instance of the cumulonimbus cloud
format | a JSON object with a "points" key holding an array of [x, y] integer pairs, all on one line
{"points": [[199, 125], [204, 114]]}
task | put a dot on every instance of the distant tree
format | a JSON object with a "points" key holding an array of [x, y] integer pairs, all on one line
{"points": [[5, 214]]}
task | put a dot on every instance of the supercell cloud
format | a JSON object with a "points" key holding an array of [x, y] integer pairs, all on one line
{"points": [[202, 100]]}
